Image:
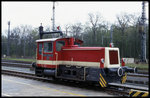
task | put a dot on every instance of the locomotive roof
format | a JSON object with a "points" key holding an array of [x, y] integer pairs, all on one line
{"points": [[49, 39]]}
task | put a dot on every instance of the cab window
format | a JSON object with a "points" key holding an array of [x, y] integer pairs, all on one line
{"points": [[40, 48], [48, 47], [59, 44], [75, 43]]}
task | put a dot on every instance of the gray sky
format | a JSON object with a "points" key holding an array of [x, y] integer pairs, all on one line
{"points": [[34, 13]]}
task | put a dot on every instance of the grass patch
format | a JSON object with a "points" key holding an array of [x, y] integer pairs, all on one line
{"points": [[139, 66], [19, 59]]}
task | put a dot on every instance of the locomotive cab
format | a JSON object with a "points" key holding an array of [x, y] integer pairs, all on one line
{"points": [[49, 51]]}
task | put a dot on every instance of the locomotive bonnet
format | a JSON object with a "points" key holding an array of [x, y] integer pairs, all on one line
{"points": [[65, 58]]}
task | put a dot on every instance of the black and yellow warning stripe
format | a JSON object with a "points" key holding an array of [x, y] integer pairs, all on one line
{"points": [[124, 78], [102, 81], [138, 93]]}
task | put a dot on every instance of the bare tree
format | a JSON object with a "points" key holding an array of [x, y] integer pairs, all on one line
{"points": [[94, 20], [76, 29], [67, 26], [123, 21], [134, 19]]}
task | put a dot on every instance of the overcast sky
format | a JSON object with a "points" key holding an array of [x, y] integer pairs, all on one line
{"points": [[34, 13]]}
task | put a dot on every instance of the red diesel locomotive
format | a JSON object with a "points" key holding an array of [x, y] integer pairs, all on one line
{"points": [[65, 58]]}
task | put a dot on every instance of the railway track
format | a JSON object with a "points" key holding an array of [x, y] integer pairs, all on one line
{"points": [[15, 61], [23, 74], [117, 89], [131, 77], [23, 64], [17, 64], [138, 78]]}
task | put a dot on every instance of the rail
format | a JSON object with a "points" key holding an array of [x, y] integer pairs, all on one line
{"points": [[23, 74], [14, 64], [128, 86], [138, 75]]}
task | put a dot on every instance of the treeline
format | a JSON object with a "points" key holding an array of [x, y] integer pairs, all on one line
{"points": [[95, 32]]}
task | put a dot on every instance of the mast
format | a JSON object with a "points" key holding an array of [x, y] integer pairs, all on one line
{"points": [[8, 38], [111, 34], [53, 19], [143, 34]]}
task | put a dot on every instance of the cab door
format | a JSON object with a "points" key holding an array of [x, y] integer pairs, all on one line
{"points": [[39, 54], [58, 56], [48, 54], [40, 51], [59, 44]]}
